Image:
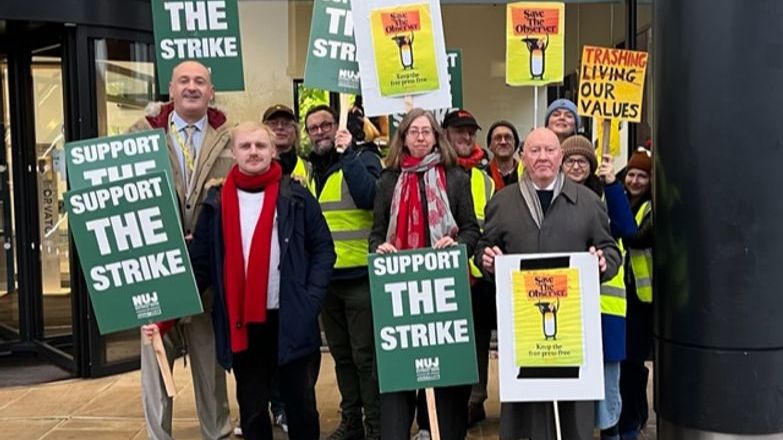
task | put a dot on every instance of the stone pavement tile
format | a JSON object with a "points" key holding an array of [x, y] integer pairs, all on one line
{"points": [[27, 428], [8, 396], [118, 400], [97, 428], [56, 400]]}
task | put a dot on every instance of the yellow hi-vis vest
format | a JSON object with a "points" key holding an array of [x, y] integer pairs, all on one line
{"points": [[613, 292], [301, 172], [349, 225], [641, 262], [481, 188]]}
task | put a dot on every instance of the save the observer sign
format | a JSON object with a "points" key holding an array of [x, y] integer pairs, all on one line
{"points": [[203, 30], [422, 319]]}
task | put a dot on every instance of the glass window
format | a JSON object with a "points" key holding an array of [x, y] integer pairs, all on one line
{"points": [[124, 85]]}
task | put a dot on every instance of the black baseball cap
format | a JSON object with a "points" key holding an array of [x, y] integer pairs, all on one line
{"points": [[460, 118], [278, 110]]}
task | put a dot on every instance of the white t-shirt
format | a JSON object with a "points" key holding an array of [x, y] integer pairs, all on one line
{"points": [[250, 204]]}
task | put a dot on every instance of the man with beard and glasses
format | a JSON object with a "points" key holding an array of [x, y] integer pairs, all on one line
{"points": [[199, 150], [343, 180]]}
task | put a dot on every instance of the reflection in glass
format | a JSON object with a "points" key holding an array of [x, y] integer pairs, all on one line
{"points": [[9, 297], [124, 84]]}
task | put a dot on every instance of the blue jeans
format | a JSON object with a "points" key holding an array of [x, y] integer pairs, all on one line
{"points": [[607, 411]]}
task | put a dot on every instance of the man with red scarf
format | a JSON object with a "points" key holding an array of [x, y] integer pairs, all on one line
{"points": [[262, 244], [460, 127], [197, 138]]}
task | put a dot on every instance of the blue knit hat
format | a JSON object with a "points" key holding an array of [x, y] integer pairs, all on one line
{"points": [[565, 104]]}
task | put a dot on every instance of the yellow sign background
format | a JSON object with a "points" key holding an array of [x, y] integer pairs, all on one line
{"points": [[391, 50], [532, 290], [611, 83], [541, 19]]}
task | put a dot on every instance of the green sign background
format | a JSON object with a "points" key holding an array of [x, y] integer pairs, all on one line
{"points": [[454, 57], [152, 295], [436, 365], [329, 65], [117, 157], [213, 25]]}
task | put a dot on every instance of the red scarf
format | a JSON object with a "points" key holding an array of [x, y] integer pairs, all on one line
{"points": [[472, 161], [246, 296], [497, 176], [411, 224]]}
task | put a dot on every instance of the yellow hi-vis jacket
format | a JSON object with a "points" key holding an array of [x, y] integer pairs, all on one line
{"points": [[481, 187], [301, 172], [613, 300], [641, 261], [349, 225]]}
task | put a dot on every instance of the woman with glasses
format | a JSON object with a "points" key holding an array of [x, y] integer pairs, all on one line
{"points": [[423, 200], [580, 165]]}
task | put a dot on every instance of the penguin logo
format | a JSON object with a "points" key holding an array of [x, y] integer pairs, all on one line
{"points": [[549, 318], [405, 45], [537, 48]]}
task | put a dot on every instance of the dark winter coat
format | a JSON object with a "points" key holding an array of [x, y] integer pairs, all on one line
{"points": [[306, 261]]}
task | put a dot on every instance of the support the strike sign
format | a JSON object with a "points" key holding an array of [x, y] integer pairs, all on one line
{"points": [[549, 327], [331, 56], [423, 320], [203, 30], [132, 252]]}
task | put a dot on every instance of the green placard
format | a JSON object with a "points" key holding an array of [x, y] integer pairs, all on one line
{"points": [[454, 57], [132, 252], [423, 319], [92, 162], [203, 30], [331, 53]]}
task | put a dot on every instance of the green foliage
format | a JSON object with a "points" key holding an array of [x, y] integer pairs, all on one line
{"points": [[308, 98]]}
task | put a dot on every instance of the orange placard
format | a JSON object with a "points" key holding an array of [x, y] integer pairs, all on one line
{"points": [[535, 21], [547, 287], [401, 21]]}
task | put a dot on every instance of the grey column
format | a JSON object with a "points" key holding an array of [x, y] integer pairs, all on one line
{"points": [[718, 201]]}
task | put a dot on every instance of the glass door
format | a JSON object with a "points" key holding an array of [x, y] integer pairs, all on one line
{"points": [[9, 295]]}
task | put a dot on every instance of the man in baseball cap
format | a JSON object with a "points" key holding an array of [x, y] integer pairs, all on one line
{"points": [[282, 121]]}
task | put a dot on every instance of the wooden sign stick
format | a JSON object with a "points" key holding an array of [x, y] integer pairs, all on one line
{"points": [[163, 362], [432, 410], [603, 144], [408, 103], [344, 108]]}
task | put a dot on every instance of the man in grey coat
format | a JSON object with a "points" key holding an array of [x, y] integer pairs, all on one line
{"points": [[545, 212]]}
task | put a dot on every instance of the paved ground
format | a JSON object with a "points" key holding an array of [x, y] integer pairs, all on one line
{"points": [[110, 408]]}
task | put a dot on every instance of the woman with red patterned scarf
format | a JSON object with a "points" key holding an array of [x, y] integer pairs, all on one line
{"points": [[423, 200]]}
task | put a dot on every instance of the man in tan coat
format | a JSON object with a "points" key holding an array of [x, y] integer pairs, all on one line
{"points": [[199, 150]]}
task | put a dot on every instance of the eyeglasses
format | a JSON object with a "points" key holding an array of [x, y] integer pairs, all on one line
{"points": [[503, 137], [573, 161], [281, 123], [414, 132], [323, 126]]}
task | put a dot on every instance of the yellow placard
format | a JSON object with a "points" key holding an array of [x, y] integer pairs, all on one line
{"points": [[535, 35], [611, 83], [404, 47], [547, 318], [614, 137]]}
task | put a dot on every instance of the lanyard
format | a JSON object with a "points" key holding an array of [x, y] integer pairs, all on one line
{"points": [[183, 146]]}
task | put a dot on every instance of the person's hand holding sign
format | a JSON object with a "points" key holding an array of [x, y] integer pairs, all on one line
{"points": [[601, 259], [488, 259], [342, 140], [606, 170], [386, 248], [444, 242]]}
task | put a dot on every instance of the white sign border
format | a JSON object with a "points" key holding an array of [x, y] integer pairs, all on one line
{"points": [[374, 103], [590, 384]]}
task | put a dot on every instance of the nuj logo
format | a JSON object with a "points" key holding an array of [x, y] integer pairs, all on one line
{"points": [[146, 305], [145, 300], [427, 363]]}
